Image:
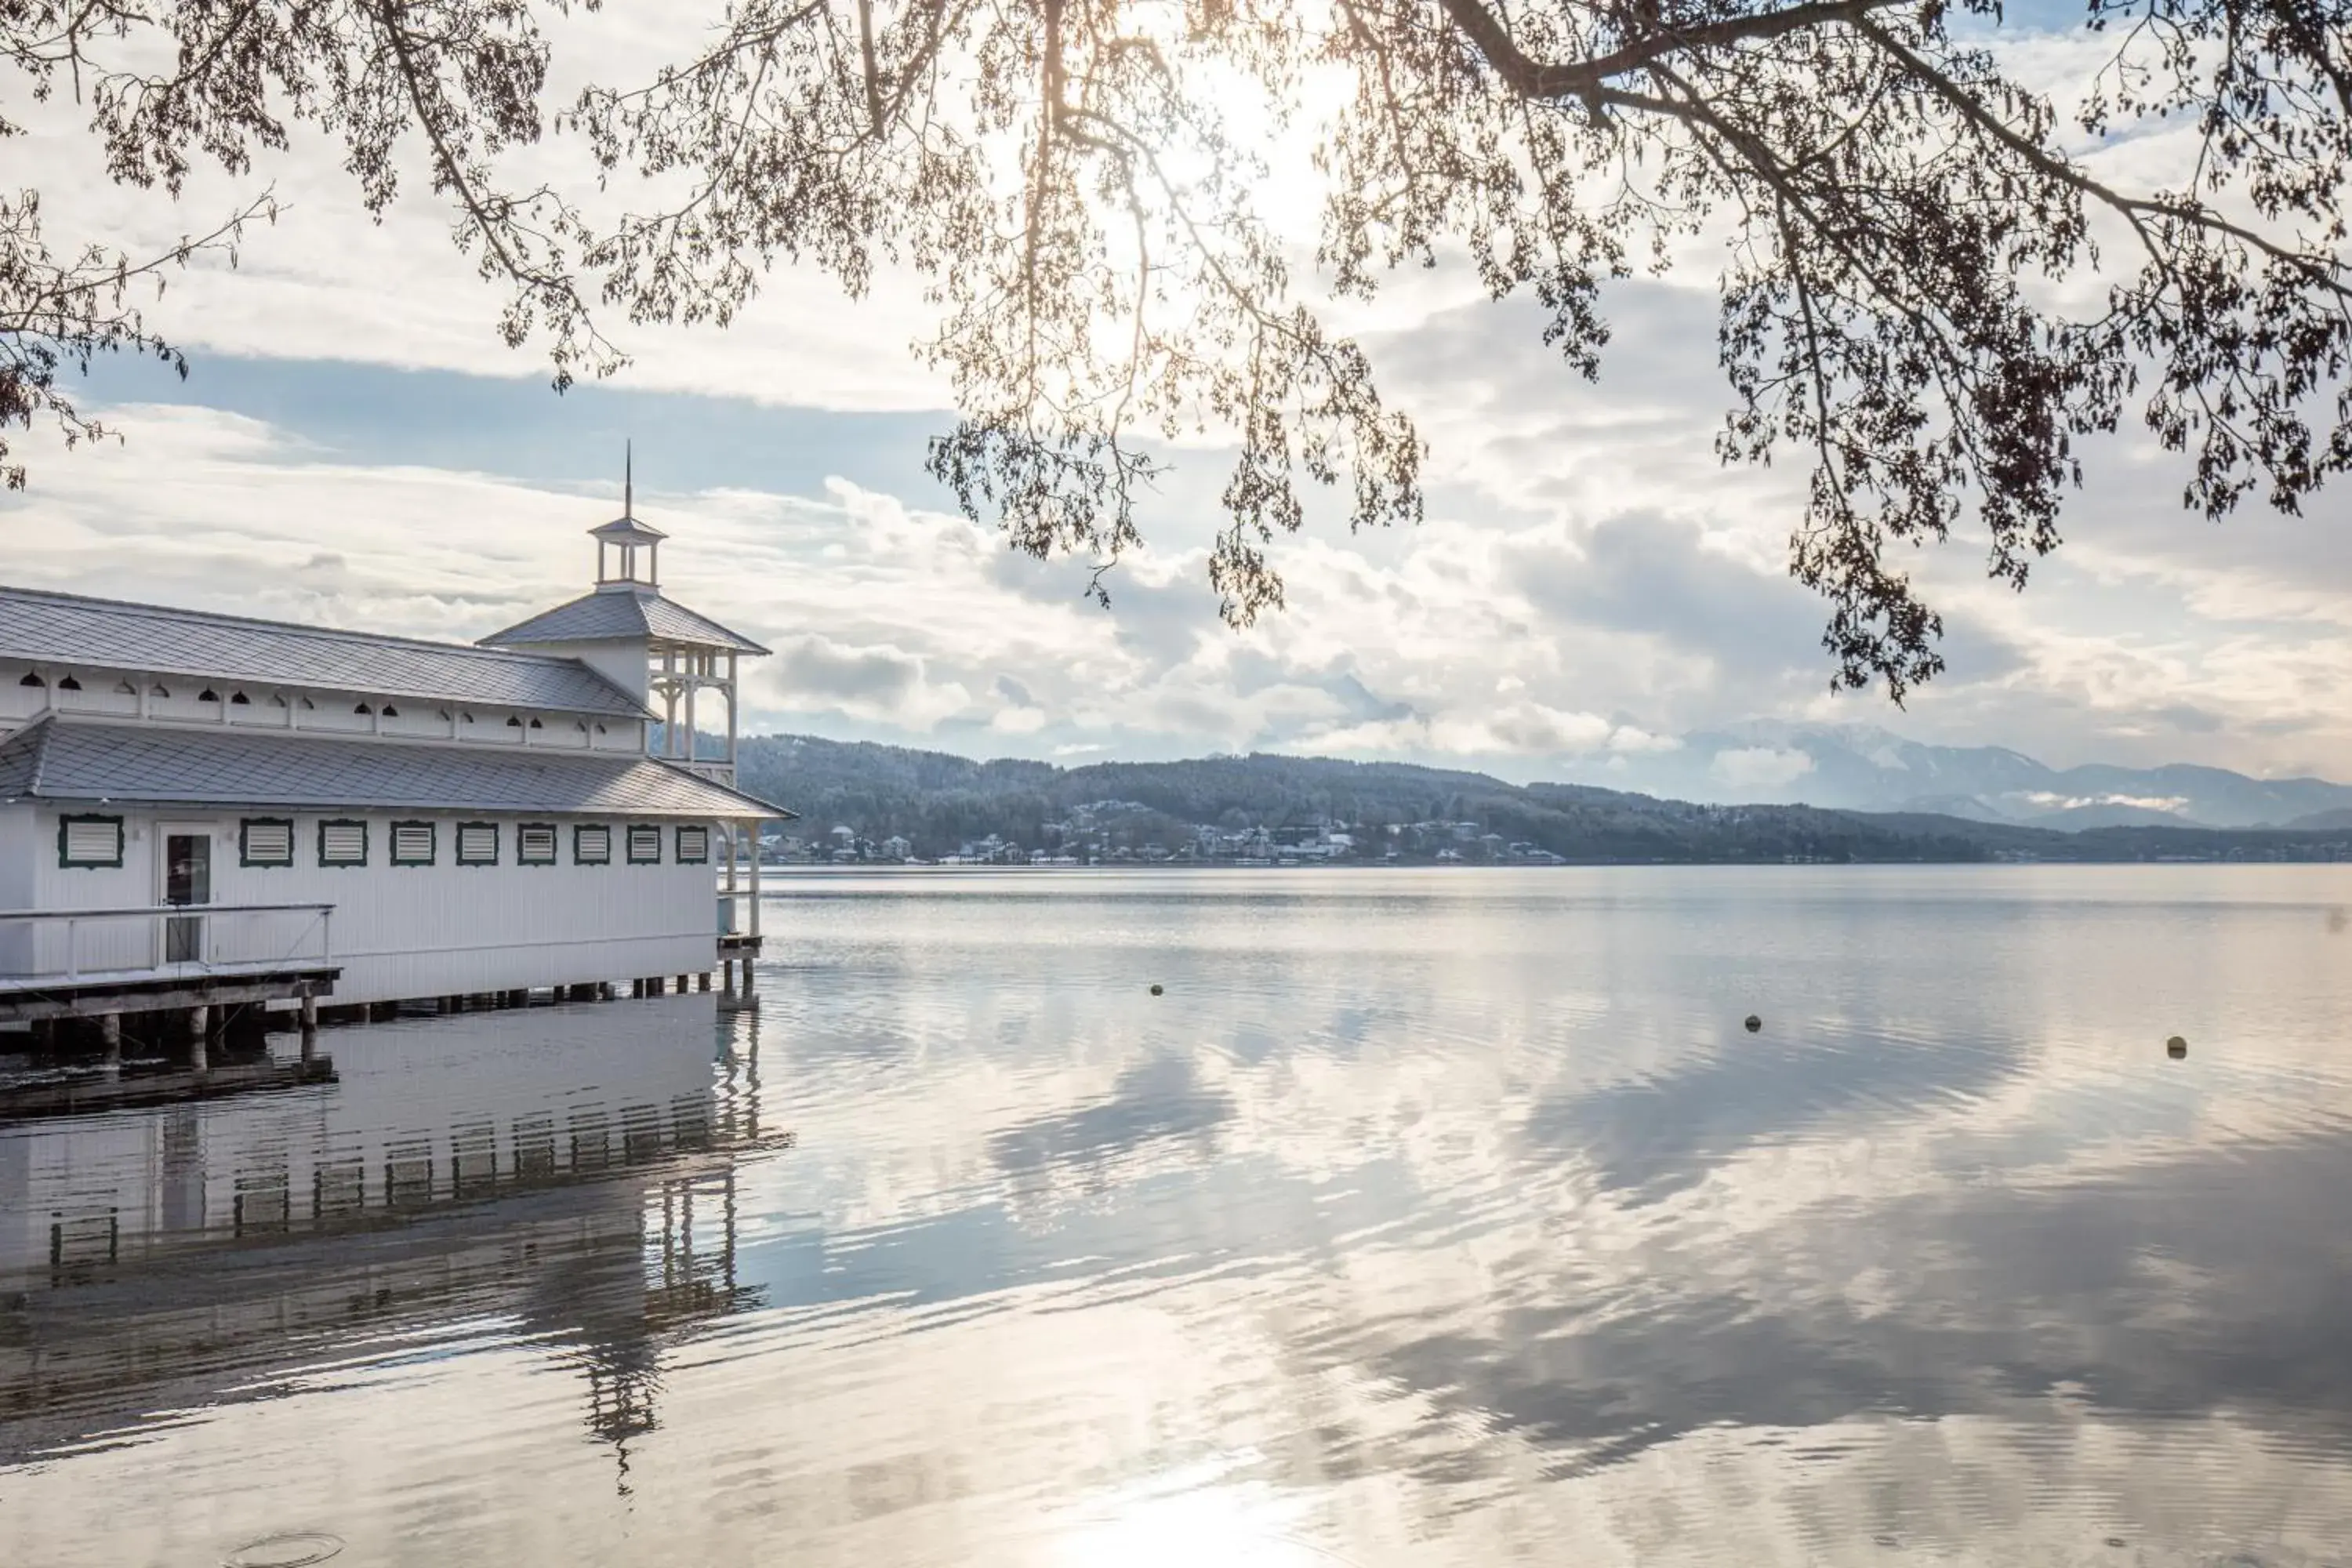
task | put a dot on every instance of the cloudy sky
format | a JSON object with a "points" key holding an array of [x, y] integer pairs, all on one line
{"points": [[354, 446]]}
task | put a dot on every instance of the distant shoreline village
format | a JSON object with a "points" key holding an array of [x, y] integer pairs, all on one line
{"points": [[205, 815], [865, 803]]}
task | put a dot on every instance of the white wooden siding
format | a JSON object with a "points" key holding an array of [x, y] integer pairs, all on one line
{"points": [[405, 930]]}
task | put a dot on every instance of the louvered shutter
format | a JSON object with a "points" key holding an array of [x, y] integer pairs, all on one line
{"points": [[267, 842], [693, 845], [477, 844], [412, 843], [591, 845], [91, 841], [342, 844], [535, 844], [644, 845]]}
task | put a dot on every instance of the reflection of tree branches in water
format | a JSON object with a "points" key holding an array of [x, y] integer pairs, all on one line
{"points": [[1082, 185]]}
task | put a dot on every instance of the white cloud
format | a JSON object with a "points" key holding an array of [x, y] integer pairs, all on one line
{"points": [[1508, 642], [1628, 741]]}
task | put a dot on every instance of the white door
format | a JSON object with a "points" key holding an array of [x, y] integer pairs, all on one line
{"points": [[183, 854]]}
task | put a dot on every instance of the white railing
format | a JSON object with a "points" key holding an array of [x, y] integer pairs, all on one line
{"points": [[76, 946]]}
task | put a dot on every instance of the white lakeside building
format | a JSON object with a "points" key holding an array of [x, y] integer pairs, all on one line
{"points": [[204, 809]]}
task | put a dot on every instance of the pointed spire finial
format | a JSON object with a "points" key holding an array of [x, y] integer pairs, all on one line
{"points": [[628, 478]]}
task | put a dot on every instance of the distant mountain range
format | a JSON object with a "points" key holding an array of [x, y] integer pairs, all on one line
{"points": [[853, 797], [1860, 767]]}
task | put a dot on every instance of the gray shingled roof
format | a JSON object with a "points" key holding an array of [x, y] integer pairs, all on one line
{"points": [[619, 614], [68, 629], [67, 759]]}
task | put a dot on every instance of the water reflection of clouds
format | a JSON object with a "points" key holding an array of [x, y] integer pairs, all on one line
{"points": [[1879, 1145], [1478, 1246]]}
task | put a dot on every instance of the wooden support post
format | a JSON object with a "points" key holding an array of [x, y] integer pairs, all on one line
{"points": [[754, 929], [310, 1027], [702, 981], [109, 1032], [682, 986], [747, 974], [199, 1038]]}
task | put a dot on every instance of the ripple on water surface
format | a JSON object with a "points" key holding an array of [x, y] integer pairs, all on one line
{"points": [[1451, 1219]]}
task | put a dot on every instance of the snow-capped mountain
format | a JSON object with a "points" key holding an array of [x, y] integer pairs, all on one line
{"points": [[1864, 768]]}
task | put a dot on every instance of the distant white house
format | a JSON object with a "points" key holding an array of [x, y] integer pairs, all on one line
{"points": [[191, 800]]}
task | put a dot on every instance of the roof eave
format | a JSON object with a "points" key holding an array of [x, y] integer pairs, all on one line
{"points": [[768, 809]]}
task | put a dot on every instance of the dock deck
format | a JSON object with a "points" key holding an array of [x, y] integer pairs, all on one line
{"points": [[164, 988]]}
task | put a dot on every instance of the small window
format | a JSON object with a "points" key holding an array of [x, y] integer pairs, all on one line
{"points": [[411, 844], [88, 842], [644, 845], [264, 841], [239, 699], [477, 844], [343, 843], [535, 844], [69, 684], [693, 845], [591, 845]]}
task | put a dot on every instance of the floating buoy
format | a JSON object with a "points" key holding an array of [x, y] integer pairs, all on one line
{"points": [[2176, 1048], [1754, 1023], [1155, 990]]}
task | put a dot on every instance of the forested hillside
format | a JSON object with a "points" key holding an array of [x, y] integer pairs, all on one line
{"points": [[941, 804]]}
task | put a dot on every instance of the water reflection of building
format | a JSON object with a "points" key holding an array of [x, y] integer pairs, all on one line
{"points": [[243, 1240]]}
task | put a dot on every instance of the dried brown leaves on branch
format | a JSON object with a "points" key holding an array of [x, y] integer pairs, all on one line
{"points": [[1912, 231]]}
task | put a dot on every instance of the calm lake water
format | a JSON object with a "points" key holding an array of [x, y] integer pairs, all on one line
{"points": [[1433, 1218]]}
